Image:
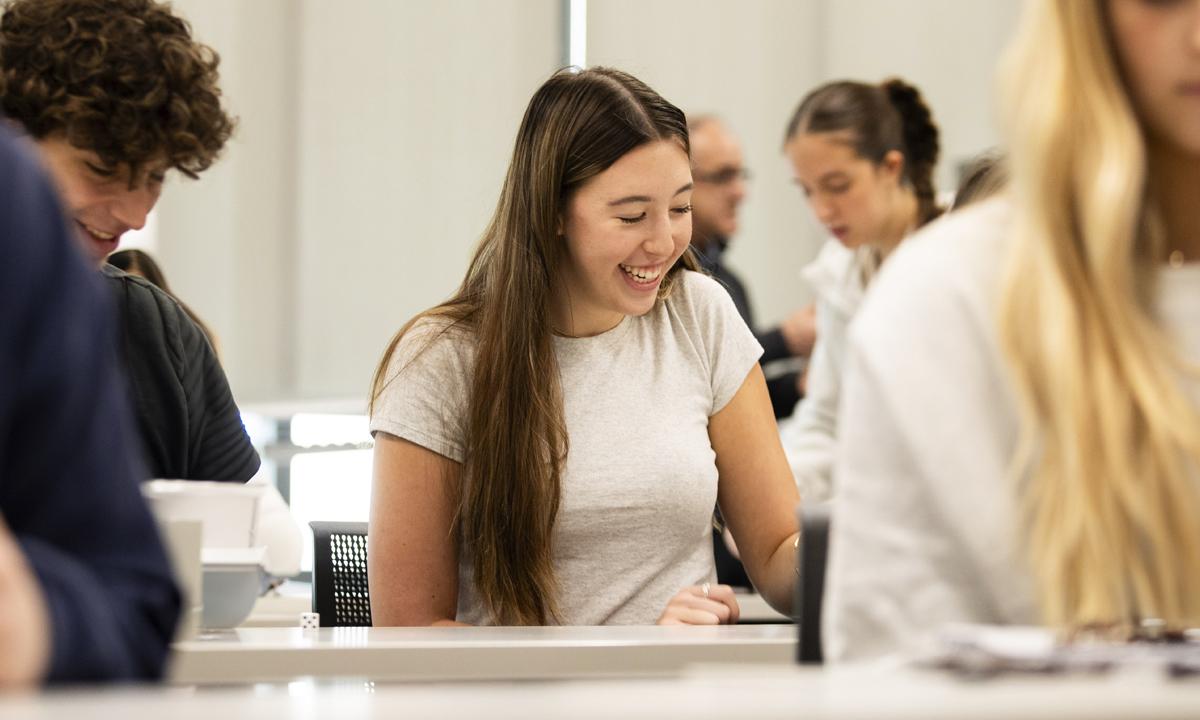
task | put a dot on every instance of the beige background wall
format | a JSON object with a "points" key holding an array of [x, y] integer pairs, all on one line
{"points": [[374, 135]]}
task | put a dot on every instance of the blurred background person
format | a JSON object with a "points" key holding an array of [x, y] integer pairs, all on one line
{"points": [[1022, 404], [86, 593], [864, 156], [720, 179], [985, 176], [140, 264]]}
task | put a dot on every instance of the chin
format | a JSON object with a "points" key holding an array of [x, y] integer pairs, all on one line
{"points": [[637, 309]]}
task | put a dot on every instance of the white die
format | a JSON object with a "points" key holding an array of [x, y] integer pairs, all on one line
{"points": [[310, 621]]}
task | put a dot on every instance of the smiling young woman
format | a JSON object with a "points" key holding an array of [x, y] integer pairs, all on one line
{"points": [[551, 442]]}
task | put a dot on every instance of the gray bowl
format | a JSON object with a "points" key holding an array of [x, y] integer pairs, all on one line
{"points": [[229, 594]]}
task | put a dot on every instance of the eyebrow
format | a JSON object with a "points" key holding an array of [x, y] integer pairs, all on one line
{"points": [[646, 198]]}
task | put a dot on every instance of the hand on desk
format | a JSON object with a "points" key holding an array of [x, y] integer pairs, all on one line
{"points": [[702, 605], [24, 625]]}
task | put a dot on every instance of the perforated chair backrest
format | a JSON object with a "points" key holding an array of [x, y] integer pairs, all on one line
{"points": [[814, 548], [339, 588]]}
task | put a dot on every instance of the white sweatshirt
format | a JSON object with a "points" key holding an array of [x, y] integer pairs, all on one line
{"points": [[925, 525], [809, 436]]}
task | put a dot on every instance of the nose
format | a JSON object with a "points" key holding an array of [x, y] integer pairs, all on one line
{"points": [[822, 208], [737, 189], [660, 242], [131, 207]]}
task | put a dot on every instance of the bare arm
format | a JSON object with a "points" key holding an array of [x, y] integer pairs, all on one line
{"points": [[413, 552], [756, 493]]}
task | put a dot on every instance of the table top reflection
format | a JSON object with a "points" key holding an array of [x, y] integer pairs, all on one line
{"points": [[249, 655], [744, 690]]}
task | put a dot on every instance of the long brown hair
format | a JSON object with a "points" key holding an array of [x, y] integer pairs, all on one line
{"points": [[881, 118], [576, 126]]}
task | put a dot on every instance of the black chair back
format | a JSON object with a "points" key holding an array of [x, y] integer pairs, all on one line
{"points": [[810, 587], [339, 589]]}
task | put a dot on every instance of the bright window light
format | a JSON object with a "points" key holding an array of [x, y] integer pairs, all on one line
{"points": [[313, 430], [577, 34], [333, 486]]}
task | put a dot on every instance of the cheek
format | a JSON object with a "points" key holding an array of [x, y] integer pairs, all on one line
{"points": [[682, 234]]}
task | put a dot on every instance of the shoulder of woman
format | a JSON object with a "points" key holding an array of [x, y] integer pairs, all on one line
{"points": [[951, 265], [433, 342], [698, 295]]}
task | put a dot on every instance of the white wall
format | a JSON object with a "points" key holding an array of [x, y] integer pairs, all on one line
{"points": [[374, 135], [409, 111], [226, 240], [372, 141]]}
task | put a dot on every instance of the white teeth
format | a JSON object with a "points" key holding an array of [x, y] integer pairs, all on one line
{"points": [[99, 234], [645, 275]]}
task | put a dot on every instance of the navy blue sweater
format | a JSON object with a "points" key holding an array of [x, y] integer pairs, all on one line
{"points": [[70, 462]]}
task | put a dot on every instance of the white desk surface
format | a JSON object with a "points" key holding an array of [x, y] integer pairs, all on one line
{"points": [[283, 609], [711, 692], [479, 653]]}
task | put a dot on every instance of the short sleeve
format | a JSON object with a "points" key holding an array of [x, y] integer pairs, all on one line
{"points": [[728, 345], [220, 446], [424, 397]]}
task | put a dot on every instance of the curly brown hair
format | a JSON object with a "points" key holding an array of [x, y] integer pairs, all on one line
{"points": [[121, 78]]}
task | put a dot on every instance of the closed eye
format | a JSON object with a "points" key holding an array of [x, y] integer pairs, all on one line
{"points": [[683, 210], [101, 171], [632, 220]]}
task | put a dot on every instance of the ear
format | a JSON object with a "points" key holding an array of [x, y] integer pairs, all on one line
{"points": [[892, 165]]}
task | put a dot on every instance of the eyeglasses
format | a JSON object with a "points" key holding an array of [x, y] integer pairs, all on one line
{"points": [[724, 176]]}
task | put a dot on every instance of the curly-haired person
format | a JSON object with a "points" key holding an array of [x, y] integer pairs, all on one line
{"points": [[115, 94]]}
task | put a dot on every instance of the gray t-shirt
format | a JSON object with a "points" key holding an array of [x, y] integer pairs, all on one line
{"points": [[640, 481]]}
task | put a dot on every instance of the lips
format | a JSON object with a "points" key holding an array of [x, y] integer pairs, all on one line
{"points": [[100, 244]]}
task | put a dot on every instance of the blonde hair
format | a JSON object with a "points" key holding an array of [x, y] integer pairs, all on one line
{"points": [[1108, 437]]}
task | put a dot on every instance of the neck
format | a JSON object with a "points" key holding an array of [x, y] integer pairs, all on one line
{"points": [[902, 221], [1174, 179], [577, 320]]}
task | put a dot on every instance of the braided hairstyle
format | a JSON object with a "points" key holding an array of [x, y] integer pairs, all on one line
{"points": [[882, 118]]}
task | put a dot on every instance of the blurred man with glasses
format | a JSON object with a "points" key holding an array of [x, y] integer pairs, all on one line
{"points": [[720, 186], [720, 178]]}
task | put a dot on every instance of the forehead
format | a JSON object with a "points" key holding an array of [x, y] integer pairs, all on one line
{"points": [[819, 153], [656, 169], [62, 147], [714, 144]]}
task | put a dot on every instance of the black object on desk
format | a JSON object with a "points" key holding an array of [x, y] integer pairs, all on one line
{"points": [[810, 581], [339, 589]]}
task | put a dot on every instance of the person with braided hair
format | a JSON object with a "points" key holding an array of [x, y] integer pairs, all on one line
{"points": [[864, 155]]}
